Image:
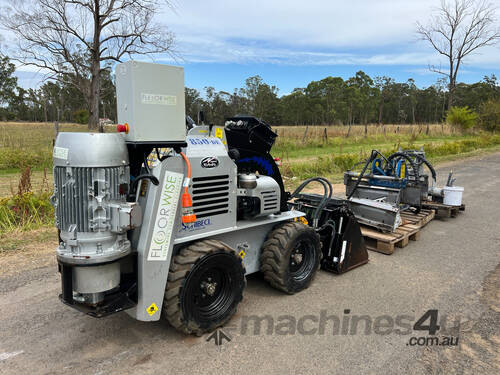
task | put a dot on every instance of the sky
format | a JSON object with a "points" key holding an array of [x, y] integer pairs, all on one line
{"points": [[289, 43]]}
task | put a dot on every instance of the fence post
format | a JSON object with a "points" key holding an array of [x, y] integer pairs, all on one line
{"points": [[326, 135], [56, 132], [305, 134]]}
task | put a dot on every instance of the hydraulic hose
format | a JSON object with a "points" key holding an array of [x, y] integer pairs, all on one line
{"points": [[135, 183], [405, 156], [328, 191], [361, 175], [428, 164]]}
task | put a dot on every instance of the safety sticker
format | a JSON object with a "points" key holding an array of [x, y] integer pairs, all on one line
{"points": [[61, 153], [218, 133], [243, 248], [302, 219], [152, 309]]}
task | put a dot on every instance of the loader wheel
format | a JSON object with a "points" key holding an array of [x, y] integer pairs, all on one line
{"points": [[290, 257], [205, 285]]}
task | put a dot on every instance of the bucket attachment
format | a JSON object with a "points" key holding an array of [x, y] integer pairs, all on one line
{"points": [[343, 245]]}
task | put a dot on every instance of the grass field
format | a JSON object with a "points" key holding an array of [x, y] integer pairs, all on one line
{"points": [[304, 151]]}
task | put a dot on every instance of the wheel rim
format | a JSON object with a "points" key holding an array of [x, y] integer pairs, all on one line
{"points": [[302, 260], [211, 289]]}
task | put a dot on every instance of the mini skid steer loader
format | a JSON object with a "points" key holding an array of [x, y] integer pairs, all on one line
{"points": [[177, 237]]}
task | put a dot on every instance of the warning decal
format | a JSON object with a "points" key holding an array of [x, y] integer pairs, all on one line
{"points": [[219, 133], [152, 309], [165, 216]]}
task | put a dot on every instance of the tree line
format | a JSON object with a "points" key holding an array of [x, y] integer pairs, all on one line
{"points": [[330, 101]]}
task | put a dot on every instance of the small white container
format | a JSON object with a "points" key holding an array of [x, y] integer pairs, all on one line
{"points": [[452, 195]]}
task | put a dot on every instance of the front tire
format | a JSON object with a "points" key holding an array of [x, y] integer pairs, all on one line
{"points": [[290, 257], [205, 285]]}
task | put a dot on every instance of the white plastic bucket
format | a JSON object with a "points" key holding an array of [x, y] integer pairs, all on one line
{"points": [[453, 195]]}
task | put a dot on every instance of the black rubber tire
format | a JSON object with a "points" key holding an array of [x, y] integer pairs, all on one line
{"points": [[182, 306], [276, 257]]}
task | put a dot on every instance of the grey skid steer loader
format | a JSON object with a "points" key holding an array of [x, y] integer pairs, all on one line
{"points": [[176, 238]]}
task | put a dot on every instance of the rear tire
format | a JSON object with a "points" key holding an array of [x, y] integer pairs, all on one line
{"points": [[290, 257], [205, 285]]}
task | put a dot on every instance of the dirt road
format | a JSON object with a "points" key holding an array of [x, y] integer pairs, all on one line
{"points": [[453, 268]]}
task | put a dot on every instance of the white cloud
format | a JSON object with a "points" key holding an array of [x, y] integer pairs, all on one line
{"points": [[317, 32], [319, 23], [314, 32]]}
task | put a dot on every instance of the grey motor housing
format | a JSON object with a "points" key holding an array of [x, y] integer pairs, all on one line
{"points": [[257, 196], [91, 183]]}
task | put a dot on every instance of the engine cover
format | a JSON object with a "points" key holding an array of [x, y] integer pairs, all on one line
{"points": [[262, 200]]}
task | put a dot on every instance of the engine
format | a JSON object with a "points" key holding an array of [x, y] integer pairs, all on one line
{"points": [[257, 196], [91, 183]]}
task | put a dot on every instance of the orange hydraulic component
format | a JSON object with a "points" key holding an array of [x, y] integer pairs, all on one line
{"points": [[188, 215]]}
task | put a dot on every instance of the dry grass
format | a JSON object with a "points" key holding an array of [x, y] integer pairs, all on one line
{"points": [[39, 181], [30, 144], [26, 135], [318, 131], [20, 251]]}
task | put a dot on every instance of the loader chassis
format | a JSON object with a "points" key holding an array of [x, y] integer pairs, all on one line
{"points": [[216, 221], [175, 237]]}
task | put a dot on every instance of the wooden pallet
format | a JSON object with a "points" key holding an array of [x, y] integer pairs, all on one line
{"points": [[410, 230], [421, 219], [443, 210]]}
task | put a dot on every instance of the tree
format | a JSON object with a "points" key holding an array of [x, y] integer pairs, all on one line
{"points": [[489, 115], [383, 84], [365, 96], [74, 38], [462, 118], [457, 29], [8, 82], [193, 103]]}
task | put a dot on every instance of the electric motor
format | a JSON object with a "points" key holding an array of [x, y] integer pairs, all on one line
{"points": [[91, 183]]}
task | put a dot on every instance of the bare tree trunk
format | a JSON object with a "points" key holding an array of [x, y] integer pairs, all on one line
{"points": [[349, 131], [380, 110], [450, 95], [45, 110], [443, 108], [56, 128], [94, 98], [305, 134], [95, 70]]}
